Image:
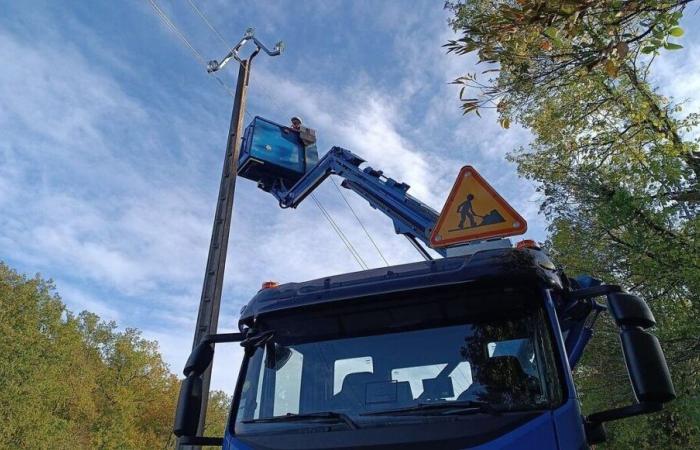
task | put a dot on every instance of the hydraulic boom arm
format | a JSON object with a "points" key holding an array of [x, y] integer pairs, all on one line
{"points": [[411, 217]]}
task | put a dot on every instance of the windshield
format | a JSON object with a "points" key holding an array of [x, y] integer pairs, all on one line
{"points": [[487, 364]]}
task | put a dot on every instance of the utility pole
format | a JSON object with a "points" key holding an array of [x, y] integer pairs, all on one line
{"points": [[209, 305]]}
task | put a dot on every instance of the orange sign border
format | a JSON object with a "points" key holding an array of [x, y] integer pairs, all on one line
{"points": [[490, 234]]}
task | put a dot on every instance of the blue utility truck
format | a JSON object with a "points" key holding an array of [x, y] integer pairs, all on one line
{"points": [[471, 350]]}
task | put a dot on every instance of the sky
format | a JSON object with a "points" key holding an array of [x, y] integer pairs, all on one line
{"points": [[112, 137]]}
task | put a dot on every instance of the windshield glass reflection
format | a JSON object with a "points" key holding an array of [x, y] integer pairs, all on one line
{"points": [[499, 363]]}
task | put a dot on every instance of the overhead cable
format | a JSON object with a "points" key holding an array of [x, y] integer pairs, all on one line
{"points": [[340, 234], [359, 221], [323, 210], [164, 17], [211, 27]]}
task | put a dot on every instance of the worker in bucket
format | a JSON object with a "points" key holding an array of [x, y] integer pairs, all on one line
{"points": [[308, 138], [307, 135]]}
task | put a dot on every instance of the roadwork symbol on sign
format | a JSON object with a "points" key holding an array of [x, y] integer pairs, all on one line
{"points": [[474, 211]]}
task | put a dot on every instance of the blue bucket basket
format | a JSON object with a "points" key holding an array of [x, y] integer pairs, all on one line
{"points": [[272, 152]]}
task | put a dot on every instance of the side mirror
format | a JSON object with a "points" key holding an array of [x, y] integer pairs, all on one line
{"points": [[200, 358], [630, 311], [647, 367], [188, 407], [645, 360], [189, 403], [646, 364]]}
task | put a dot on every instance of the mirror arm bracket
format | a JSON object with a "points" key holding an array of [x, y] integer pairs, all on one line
{"points": [[623, 412], [202, 440], [594, 424], [594, 291], [223, 337]]}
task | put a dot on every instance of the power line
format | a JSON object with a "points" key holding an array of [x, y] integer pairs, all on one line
{"points": [[323, 210], [340, 234], [359, 221], [211, 27], [179, 34], [198, 56]]}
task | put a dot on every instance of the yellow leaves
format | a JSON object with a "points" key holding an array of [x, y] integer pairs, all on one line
{"points": [[62, 389], [550, 32], [611, 68], [676, 32], [622, 49], [569, 8], [501, 108]]}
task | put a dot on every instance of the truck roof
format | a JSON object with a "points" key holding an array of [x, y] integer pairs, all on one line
{"points": [[505, 266]]}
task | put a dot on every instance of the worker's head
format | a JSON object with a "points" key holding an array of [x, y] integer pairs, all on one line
{"points": [[470, 197], [296, 122]]}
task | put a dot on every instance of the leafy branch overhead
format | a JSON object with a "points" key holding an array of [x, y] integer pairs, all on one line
{"points": [[615, 161], [547, 42], [577, 72]]}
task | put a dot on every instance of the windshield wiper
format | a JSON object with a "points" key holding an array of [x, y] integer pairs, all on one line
{"points": [[292, 417], [442, 408]]}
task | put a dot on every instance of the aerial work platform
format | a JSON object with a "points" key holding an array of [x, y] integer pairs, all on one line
{"points": [[272, 152], [285, 163]]}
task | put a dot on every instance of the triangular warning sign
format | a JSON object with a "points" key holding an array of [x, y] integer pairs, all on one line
{"points": [[474, 211]]}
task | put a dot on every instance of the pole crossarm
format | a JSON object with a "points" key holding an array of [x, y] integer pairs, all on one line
{"points": [[249, 35]]}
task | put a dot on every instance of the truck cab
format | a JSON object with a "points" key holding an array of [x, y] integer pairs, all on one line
{"points": [[453, 353]]}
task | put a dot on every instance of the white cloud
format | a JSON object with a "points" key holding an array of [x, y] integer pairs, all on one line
{"points": [[361, 119], [82, 301], [109, 185]]}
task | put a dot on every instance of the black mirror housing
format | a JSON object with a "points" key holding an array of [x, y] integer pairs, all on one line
{"points": [[188, 407], [647, 366], [200, 358], [189, 403], [630, 311], [645, 361]]}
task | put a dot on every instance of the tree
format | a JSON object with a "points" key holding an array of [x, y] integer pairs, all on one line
{"points": [[37, 352], [74, 381], [615, 162]]}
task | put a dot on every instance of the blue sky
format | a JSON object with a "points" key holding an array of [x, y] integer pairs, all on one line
{"points": [[112, 136]]}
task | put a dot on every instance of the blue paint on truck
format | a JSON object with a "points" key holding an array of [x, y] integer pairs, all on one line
{"points": [[415, 339]]}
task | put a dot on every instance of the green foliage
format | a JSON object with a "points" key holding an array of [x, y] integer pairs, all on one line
{"points": [[72, 382], [617, 168], [217, 413]]}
